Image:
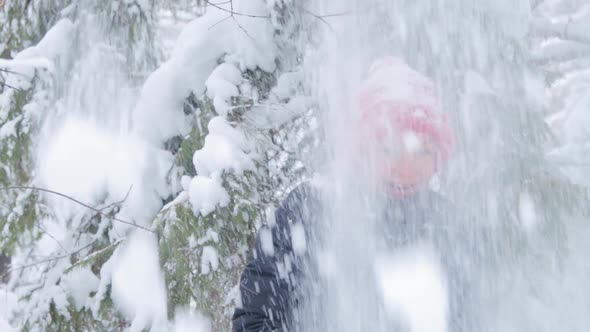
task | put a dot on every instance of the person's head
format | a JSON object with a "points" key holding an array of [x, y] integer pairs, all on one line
{"points": [[402, 127]]}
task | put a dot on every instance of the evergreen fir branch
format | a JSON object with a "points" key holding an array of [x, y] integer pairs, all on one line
{"points": [[570, 30], [106, 251]]}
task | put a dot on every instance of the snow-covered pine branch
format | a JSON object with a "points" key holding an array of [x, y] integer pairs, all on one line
{"points": [[559, 51], [178, 125], [567, 30]]}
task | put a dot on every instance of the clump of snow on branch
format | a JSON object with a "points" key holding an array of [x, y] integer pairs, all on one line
{"points": [[209, 260], [210, 55], [89, 163], [225, 149], [79, 284], [198, 50], [49, 52], [205, 194]]}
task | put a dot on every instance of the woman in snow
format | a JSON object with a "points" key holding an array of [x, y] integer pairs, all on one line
{"points": [[410, 141]]}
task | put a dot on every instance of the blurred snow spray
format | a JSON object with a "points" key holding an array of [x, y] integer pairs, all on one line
{"points": [[516, 247]]}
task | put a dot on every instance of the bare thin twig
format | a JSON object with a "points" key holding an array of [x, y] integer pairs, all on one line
{"points": [[220, 3], [233, 17], [119, 202], [47, 260], [8, 71], [231, 11], [233, 14], [323, 17], [12, 87], [78, 202], [225, 19], [54, 239], [242, 28], [333, 15], [319, 18]]}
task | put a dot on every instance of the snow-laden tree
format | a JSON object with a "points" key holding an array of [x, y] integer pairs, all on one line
{"points": [[562, 50], [45, 242], [250, 120], [24, 23], [24, 82]]}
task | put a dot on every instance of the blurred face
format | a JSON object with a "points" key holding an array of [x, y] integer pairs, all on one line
{"points": [[406, 161]]}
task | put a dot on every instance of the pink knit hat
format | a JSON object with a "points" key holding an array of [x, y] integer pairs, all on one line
{"points": [[395, 97]]}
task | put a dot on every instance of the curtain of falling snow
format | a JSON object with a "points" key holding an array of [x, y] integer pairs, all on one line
{"points": [[509, 257]]}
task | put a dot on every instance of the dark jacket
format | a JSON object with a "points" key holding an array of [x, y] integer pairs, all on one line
{"points": [[269, 280]]}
